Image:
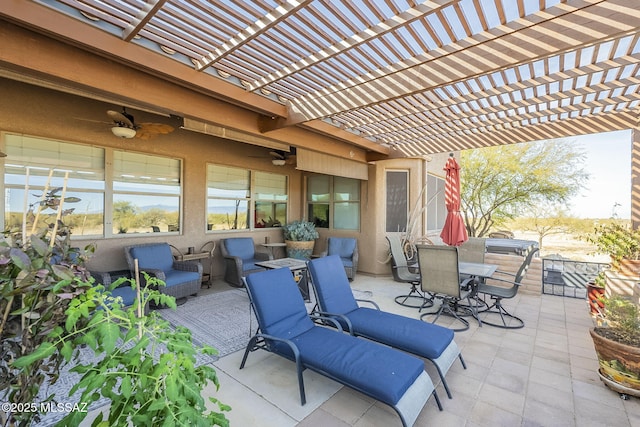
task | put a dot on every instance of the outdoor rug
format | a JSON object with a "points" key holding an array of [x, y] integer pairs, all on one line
{"points": [[221, 320]]}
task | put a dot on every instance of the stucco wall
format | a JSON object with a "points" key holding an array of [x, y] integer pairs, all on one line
{"points": [[47, 113]]}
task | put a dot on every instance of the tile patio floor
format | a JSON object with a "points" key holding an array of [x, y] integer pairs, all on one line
{"points": [[542, 375]]}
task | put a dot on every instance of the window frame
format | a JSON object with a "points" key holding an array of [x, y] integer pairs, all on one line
{"points": [[251, 199], [107, 191], [332, 202]]}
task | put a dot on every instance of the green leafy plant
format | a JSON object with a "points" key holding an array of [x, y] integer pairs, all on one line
{"points": [[50, 307], [617, 240], [300, 231], [146, 368], [36, 288], [622, 321]]}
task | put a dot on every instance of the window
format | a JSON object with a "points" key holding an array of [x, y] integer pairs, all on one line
{"points": [[436, 209], [146, 193], [143, 195], [333, 202], [48, 170], [397, 201], [270, 193], [234, 195]]}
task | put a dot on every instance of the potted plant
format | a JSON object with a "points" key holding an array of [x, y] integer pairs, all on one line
{"points": [[300, 237], [617, 344], [621, 242]]}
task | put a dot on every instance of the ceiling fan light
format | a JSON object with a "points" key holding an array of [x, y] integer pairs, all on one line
{"points": [[122, 132], [278, 162]]}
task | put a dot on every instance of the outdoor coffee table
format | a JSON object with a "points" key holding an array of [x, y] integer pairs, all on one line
{"points": [[298, 268]]}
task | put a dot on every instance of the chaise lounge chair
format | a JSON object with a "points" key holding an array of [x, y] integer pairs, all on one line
{"points": [[335, 299], [285, 328]]}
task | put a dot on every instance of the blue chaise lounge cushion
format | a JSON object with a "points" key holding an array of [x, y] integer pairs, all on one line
{"points": [[335, 296], [381, 371]]}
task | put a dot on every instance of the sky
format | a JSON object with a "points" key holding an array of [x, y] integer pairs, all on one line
{"points": [[608, 190]]}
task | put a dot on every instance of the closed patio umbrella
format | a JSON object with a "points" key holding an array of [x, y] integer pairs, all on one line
{"points": [[454, 232]]}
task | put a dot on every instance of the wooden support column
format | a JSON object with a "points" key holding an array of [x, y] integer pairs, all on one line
{"points": [[635, 177]]}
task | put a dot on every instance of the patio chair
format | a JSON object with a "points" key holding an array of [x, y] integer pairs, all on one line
{"points": [[182, 278], [497, 293], [240, 255], [335, 299], [440, 276], [285, 328], [403, 274], [347, 249], [473, 250]]}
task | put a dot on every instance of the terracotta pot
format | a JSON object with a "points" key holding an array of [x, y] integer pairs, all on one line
{"points": [[595, 294], [300, 249], [619, 363]]}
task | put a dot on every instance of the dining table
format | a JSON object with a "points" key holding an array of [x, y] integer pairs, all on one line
{"points": [[477, 269], [480, 271]]}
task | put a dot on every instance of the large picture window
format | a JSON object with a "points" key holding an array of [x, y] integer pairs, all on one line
{"points": [[333, 202], [41, 174], [104, 192], [146, 193], [235, 195]]}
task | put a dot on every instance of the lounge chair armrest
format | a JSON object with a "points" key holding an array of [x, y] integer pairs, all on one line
{"points": [[187, 266], [101, 277], [330, 317], [153, 272], [368, 301], [263, 256]]}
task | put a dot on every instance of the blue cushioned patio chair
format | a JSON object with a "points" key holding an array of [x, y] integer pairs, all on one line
{"points": [[240, 257], [347, 249], [335, 298], [285, 328], [182, 278]]}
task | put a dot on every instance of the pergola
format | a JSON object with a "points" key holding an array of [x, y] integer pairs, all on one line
{"points": [[390, 78], [414, 77]]}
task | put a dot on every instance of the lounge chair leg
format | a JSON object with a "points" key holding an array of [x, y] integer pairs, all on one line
{"points": [[435, 396], [303, 397], [252, 343], [464, 365]]}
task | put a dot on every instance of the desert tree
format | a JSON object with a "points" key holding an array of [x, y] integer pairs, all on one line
{"points": [[500, 183]]}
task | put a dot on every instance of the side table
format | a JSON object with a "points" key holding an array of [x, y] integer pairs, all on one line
{"points": [[272, 246], [207, 277]]}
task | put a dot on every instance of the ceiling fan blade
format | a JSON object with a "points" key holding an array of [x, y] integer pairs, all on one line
{"points": [[277, 155], [93, 121], [149, 130], [120, 118]]}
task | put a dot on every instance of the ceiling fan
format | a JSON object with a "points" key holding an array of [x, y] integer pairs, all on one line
{"points": [[124, 126], [281, 158]]}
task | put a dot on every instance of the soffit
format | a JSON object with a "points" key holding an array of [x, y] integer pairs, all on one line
{"points": [[420, 77]]}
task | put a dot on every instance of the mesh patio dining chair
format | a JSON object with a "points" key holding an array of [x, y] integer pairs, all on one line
{"points": [[403, 274], [440, 276], [507, 290]]}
